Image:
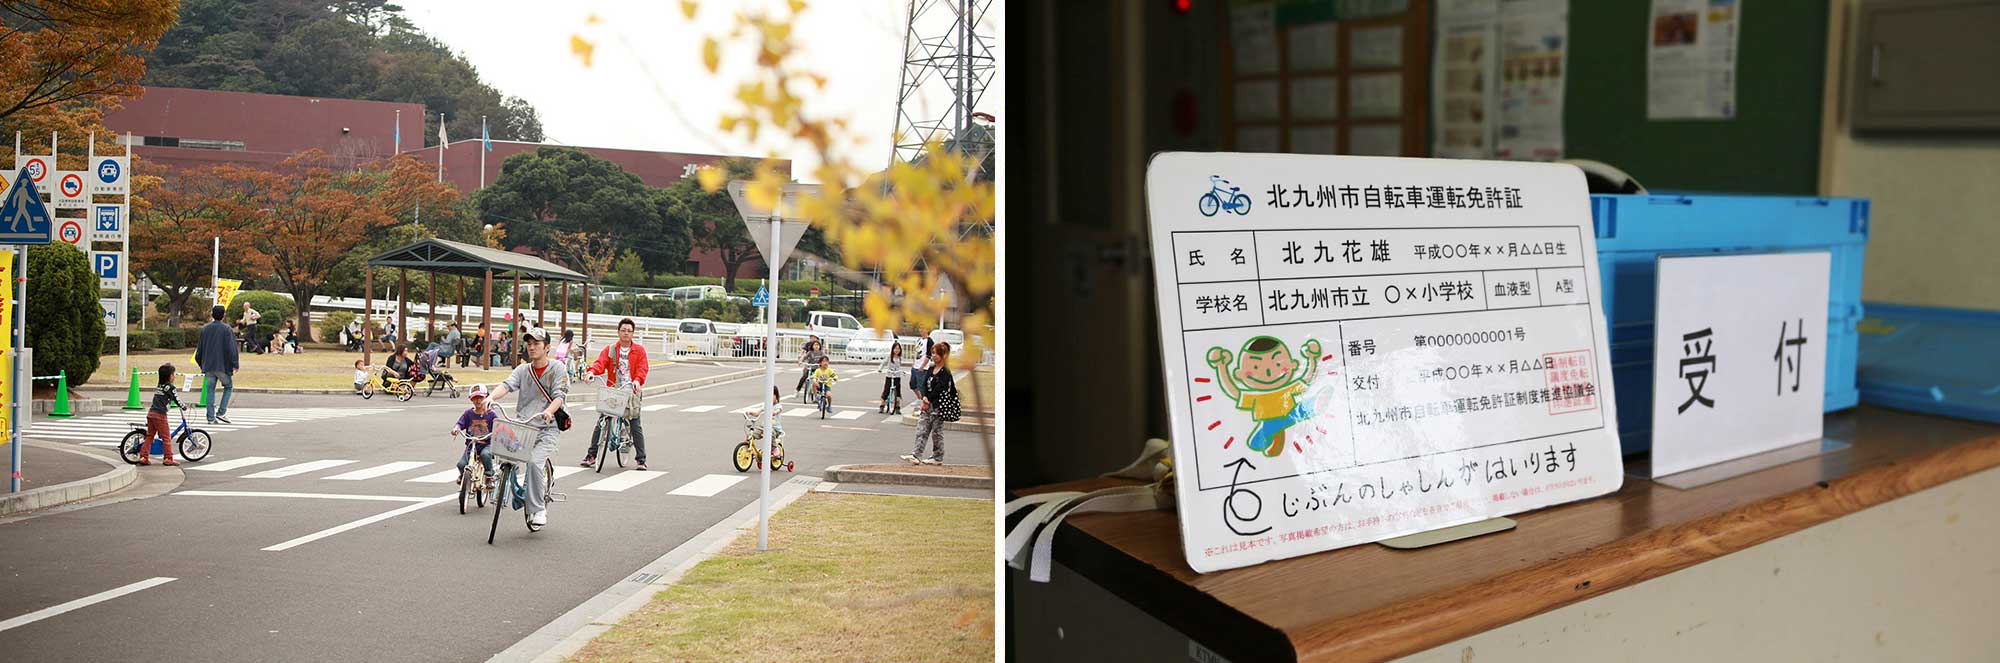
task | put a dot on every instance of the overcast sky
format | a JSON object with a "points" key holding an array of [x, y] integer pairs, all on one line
{"points": [[647, 88]]}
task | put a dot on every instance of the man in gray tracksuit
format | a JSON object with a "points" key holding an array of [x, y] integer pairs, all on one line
{"points": [[530, 403]]}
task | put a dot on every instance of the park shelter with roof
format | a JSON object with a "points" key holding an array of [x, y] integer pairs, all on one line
{"points": [[449, 258]]}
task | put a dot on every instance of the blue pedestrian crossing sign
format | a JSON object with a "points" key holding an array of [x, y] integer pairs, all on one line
{"points": [[23, 217], [763, 297]]}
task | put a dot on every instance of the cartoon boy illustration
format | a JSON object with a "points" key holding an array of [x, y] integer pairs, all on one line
{"points": [[1268, 382]]}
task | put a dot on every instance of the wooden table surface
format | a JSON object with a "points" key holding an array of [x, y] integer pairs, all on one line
{"points": [[1369, 602]]}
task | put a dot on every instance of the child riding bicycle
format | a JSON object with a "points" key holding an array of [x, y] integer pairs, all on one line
{"points": [[823, 378], [476, 424], [156, 418]]}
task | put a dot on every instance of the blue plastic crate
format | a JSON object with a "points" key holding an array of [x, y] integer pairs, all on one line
{"points": [[1936, 360], [1634, 230]]}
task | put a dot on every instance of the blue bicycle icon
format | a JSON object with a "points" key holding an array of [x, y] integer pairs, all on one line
{"points": [[1217, 199]]}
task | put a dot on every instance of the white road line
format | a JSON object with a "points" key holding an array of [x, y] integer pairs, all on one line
{"points": [[566, 470], [317, 496], [382, 470], [747, 408], [893, 420], [447, 476], [113, 445], [622, 480], [655, 408], [99, 597], [849, 415], [701, 408], [844, 427], [232, 463], [315, 536], [294, 470], [707, 486], [801, 411]]}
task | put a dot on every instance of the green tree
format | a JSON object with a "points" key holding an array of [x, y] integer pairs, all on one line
{"points": [[629, 271], [712, 219], [560, 190], [65, 327]]}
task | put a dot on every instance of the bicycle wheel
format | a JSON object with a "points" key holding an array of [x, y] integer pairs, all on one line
{"points": [[195, 445], [129, 448], [464, 486], [777, 455], [624, 445], [367, 393], [745, 455], [1210, 204], [479, 496], [604, 439], [1240, 203], [499, 505], [404, 394]]}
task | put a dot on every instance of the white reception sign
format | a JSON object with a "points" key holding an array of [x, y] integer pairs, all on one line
{"points": [[1739, 359]]}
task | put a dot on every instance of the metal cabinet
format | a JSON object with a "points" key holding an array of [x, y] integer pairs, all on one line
{"points": [[1926, 65]]}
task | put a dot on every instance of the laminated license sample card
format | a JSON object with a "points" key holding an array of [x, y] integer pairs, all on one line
{"points": [[1362, 348]]}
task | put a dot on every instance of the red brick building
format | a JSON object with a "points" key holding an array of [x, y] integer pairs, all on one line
{"points": [[186, 128]]}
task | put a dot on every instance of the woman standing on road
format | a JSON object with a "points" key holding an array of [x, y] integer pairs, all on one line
{"points": [[940, 400]]}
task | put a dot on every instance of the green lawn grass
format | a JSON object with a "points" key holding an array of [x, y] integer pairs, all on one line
{"points": [[847, 578]]}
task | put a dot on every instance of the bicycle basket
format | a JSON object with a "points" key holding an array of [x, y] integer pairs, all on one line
{"points": [[514, 440], [614, 401]]}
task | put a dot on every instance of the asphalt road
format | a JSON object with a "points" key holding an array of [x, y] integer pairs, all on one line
{"points": [[260, 572]]}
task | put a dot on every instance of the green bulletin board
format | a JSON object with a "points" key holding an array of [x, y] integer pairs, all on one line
{"points": [[1772, 146]]}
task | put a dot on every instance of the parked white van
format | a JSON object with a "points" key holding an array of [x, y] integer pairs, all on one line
{"points": [[694, 292], [694, 336], [833, 326]]}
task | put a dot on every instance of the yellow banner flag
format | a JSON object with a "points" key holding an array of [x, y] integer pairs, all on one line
{"points": [[7, 362], [225, 290]]}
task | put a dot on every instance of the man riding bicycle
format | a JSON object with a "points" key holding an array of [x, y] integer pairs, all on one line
{"points": [[624, 365], [542, 385]]}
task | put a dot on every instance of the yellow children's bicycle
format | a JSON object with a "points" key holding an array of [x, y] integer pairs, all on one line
{"points": [[750, 454]]}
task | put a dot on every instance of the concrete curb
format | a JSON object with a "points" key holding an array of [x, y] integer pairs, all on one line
{"points": [[842, 474], [576, 628], [78, 405], [119, 476]]}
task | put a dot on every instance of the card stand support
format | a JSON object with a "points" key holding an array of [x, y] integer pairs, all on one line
{"points": [[1730, 469], [1449, 534]]}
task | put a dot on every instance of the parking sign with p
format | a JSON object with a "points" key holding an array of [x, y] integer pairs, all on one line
{"points": [[109, 266]]}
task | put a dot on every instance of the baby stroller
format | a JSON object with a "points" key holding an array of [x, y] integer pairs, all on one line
{"points": [[434, 370]]}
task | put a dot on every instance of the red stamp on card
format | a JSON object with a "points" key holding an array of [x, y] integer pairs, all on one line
{"points": [[1572, 385]]}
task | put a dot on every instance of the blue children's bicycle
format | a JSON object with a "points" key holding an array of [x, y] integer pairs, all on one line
{"points": [[194, 443], [1217, 200]]}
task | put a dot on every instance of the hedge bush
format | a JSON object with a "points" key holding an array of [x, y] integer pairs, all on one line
{"points": [[67, 328], [330, 326], [141, 341], [166, 338]]}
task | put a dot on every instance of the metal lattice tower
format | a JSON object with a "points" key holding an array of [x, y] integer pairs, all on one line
{"points": [[943, 52]]}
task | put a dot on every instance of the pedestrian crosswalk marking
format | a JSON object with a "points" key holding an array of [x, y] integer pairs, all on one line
{"points": [[847, 414], [655, 408], [107, 429], [893, 420], [447, 476], [702, 408], [800, 412], [294, 470], [621, 481], [707, 486], [566, 470], [385, 469], [231, 464]]}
